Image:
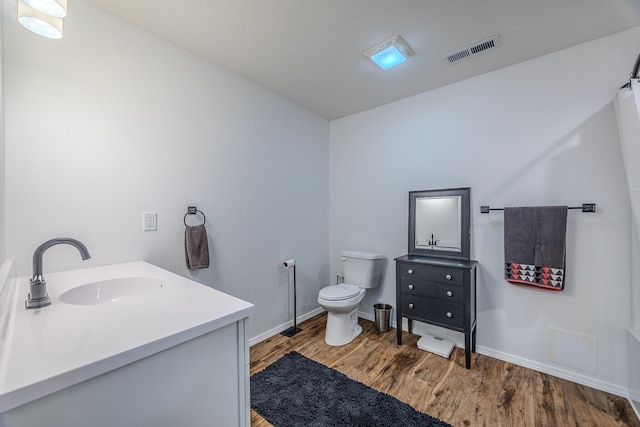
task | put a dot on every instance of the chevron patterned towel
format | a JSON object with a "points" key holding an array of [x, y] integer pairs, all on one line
{"points": [[535, 246]]}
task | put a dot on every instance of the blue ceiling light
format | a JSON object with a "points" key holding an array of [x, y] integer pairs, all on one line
{"points": [[390, 52]]}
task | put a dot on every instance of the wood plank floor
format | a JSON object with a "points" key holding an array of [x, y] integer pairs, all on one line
{"points": [[493, 393]]}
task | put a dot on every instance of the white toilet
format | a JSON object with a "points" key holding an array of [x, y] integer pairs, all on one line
{"points": [[361, 272]]}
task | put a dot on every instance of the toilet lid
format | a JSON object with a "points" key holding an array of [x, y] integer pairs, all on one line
{"points": [[339, 292]]}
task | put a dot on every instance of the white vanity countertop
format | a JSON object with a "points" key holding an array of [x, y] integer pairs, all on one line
{"points": [[54, 347]]}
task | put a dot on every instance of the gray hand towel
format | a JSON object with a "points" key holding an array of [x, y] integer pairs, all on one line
{"points": [[535, 246], [196, 247]]}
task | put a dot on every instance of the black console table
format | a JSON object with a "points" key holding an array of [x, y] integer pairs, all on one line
{"points": [[438, 291]]}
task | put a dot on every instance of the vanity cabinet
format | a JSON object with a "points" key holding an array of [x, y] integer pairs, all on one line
{"points": [[177, 354], [440, 292]]}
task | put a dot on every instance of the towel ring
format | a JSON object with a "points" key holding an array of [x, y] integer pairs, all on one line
{"points": [[192, 210]]}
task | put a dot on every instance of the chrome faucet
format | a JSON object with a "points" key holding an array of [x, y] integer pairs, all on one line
{"points": [[38, 297]]}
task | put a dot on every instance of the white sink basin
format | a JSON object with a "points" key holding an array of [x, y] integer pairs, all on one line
{"points": [[113, 290]]}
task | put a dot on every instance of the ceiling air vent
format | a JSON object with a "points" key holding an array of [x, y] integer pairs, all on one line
{"points": [[474, 49]]}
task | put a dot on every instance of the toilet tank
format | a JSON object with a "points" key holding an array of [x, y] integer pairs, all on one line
{"points": [[361, 268]]}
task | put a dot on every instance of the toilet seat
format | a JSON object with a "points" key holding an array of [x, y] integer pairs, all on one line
{"points": [[339, 292]]}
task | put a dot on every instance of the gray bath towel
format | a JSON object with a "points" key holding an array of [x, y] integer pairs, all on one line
{"points": [[196, 247], [535, 246]]}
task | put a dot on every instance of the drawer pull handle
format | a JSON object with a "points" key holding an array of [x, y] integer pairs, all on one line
{"points": [[449, 293], [448, 277], [411, 287], [410, 305], [410, 271], [449, 314]]}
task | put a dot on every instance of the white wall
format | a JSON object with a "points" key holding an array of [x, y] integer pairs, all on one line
{"points": [[542, 132], [111, 121]]}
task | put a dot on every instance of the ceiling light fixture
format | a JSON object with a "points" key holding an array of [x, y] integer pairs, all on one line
{"points": [[38, 22], [390, 52], [55, 8]]}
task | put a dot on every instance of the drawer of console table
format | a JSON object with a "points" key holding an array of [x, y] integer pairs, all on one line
{"points": [[433, 310], [443, 291], [431, 273]]}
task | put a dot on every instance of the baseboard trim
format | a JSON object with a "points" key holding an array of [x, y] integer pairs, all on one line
{"points": [[635, 408], [530, 364], [556, 372], [275, 331], [520, 361]]}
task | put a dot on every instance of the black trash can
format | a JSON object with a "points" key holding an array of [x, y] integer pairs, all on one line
{"points": [[383, 317]]}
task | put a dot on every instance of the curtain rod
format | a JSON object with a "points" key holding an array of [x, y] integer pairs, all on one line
{"points": [[634, 73], [586, 207]]}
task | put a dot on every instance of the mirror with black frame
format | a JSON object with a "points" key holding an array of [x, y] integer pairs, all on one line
{"points": [[439, 223]]}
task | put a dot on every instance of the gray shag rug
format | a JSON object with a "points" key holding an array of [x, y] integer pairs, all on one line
{"points": [[297, 391]]}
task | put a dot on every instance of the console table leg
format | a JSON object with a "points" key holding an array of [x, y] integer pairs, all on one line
{"points": [[473, 340], [467, 350]]}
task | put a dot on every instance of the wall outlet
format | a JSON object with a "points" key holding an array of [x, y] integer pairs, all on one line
{"points": [[149, 221]]}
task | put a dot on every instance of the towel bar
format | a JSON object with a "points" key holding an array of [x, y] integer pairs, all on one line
{"points": [[586, 207]]}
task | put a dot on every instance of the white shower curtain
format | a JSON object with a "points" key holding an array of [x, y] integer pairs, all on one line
{"points": [[627, 104]]}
